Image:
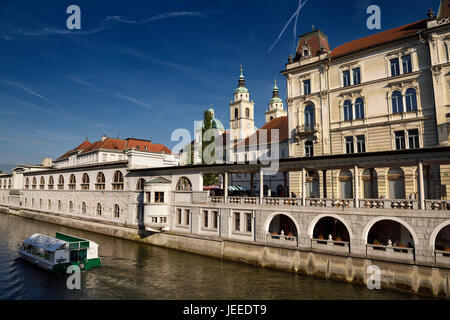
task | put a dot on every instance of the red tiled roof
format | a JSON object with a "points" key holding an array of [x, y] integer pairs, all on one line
{"points": [[280, 124], [316, 40], [86, 144], [151, 147], [118, 144], [444, 9], [379, 38]]}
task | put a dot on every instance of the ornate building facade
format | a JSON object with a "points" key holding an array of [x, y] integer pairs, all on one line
{"points": [[388, 91]]}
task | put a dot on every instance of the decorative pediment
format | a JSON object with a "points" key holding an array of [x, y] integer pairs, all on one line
{"points": [[400, 85], [350, 94]]}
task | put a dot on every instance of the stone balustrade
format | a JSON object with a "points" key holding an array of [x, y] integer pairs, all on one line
{"points": [[286, 240], [331, 245], [391, 252], [442, 257]]}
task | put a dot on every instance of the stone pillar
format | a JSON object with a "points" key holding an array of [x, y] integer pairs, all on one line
{"points": [[285, 185], [225, 185], [324, 184], [421, 187], [261, 185], [303, 187], [356, 181]]}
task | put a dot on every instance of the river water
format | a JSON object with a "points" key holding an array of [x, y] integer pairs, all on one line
{"points": [[138, 271]]}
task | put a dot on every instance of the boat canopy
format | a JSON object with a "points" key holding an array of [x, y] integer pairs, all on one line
{"points": [[45, 242]]}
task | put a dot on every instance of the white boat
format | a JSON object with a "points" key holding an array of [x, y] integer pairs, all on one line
{"points": [[56, 254]]}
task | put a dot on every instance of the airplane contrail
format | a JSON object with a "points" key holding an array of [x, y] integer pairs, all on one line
{"points": [[295, 15]]}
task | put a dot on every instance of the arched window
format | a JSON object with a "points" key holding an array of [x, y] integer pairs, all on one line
{"points": [[359, 108], [32, 202], [9, 183], [309, 149], [42, 183], [40, 203], [27, 183], [184, 184], [411, 100], [59, 206], [118, 181], [100, 182], [49, 205], [83, 208], [99, 209], [236, 113], [70, 206], [397, 102], [85, 182], [61, 183], [140, 185], [331, 226], [34, 183], [51, 182], [116, 211], [282, 225], [72, 182], [247, 113], [348, 110], [389, 232], [310, 120]]}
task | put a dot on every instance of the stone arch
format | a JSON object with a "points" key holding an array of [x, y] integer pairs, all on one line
{"points": [[274, 214], [335, 216], [184, 184], [436, 231], [366, 230]]}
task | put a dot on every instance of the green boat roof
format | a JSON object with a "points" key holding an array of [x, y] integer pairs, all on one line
{"points": [[74, 242]]}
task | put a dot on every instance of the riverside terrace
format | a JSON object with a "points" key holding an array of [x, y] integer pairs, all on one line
{"points": [[410, 230]]}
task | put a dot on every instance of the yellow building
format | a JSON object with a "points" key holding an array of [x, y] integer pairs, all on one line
{"points": [[387, 91]]}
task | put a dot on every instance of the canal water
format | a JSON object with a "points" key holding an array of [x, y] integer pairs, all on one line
{"points": [[138, 271]]}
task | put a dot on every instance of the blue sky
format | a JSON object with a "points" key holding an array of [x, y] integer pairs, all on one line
{"points": [[144, 68]]}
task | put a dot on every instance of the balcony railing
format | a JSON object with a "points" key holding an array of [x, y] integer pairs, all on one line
{"points": [[396, 204], [442, 256], [401, 253], [282, 239], [331, 245]]}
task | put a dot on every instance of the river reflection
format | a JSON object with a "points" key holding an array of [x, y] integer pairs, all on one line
{"points": [[138, 271]]}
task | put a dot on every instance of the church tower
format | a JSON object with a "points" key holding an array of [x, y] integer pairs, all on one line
{"points": [[242, 120], [276, 106]]}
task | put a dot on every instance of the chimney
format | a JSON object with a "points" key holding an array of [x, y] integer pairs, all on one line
{"points": [[104, 137], [47, 162]]}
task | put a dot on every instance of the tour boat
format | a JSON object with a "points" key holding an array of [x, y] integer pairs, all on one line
{"points": [[58, 253]]}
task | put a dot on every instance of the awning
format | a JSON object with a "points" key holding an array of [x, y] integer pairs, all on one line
{"points": [[45, 242]]}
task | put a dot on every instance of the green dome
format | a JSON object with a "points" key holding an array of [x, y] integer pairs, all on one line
{"points": [[241, 90], [276, 100], [217, 124]]}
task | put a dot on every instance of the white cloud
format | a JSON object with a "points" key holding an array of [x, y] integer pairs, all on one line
{"points": [[107, 23], [80, 81], [34, 93], [133, 100]]}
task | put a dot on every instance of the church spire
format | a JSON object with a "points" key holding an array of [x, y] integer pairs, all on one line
{"points": [[241, 79], [275, 91]]}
